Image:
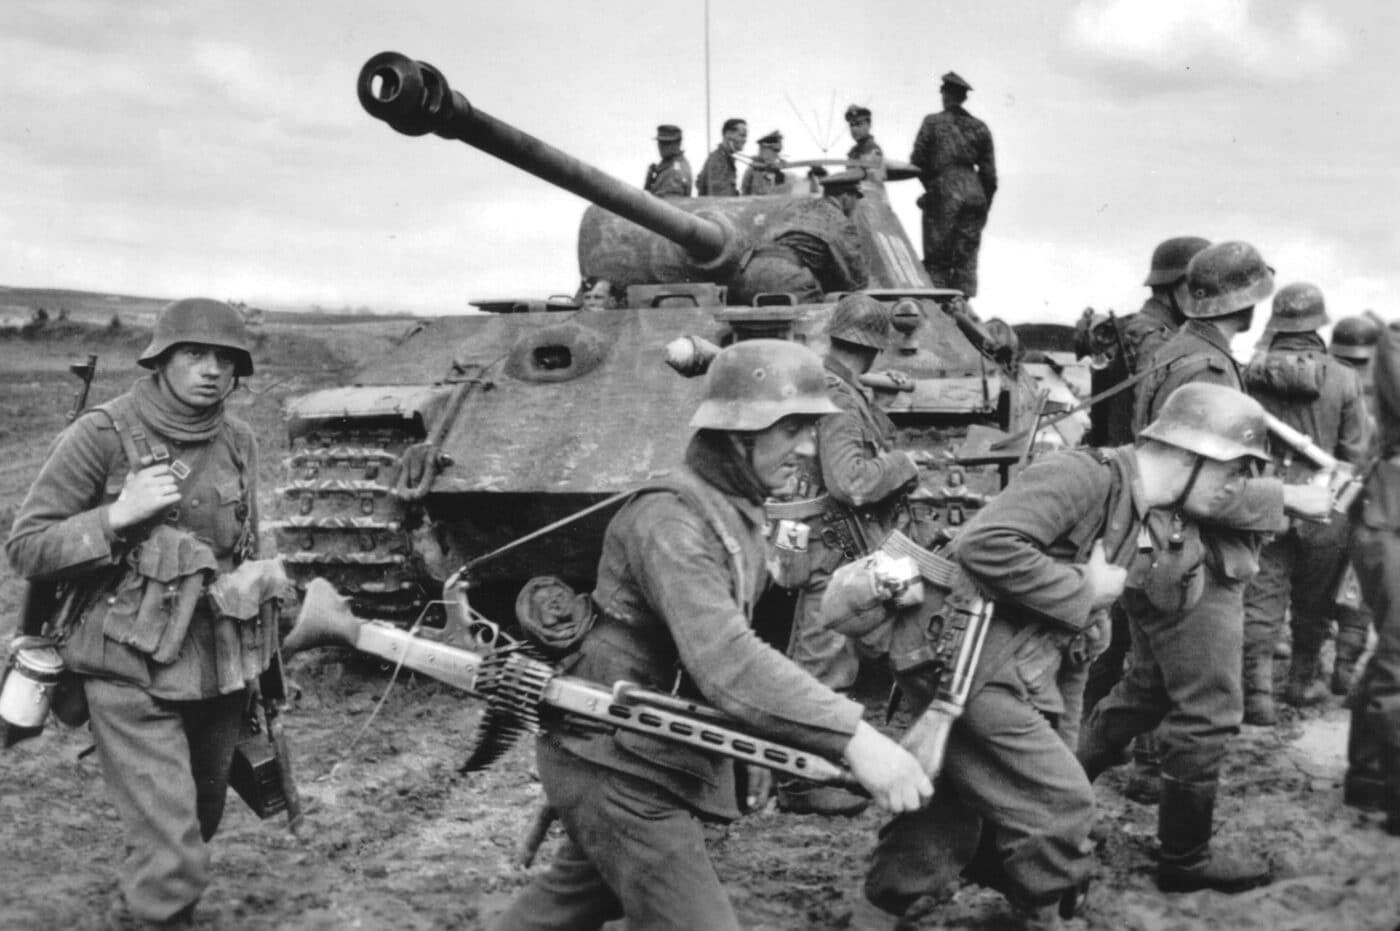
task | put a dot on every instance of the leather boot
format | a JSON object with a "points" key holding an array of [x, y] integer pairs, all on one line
{"points": [[1385, 720], [1145, 782], [1187, 862], [799, 797], [1351, 643], [1259, 707], [1304, 688]]}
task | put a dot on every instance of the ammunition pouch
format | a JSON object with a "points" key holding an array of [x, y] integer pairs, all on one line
{"points": [[256, 771], [151, 608]]}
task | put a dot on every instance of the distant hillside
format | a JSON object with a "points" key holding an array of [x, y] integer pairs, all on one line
{"points": [[18, 304]]}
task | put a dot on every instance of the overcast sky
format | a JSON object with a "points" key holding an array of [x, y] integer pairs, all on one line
{"points": [[168, 149]]}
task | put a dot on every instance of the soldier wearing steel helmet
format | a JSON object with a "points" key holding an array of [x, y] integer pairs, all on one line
{"points": [[852, 493], [1354, 342], [957, 165], [809, 248], [1299, 382], [1373, 744], [1069, 535], [163, 675], [1186, 637], [683, 563]]}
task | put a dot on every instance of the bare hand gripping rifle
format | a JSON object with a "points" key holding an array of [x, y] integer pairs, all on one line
{"points": [[519, 688]]}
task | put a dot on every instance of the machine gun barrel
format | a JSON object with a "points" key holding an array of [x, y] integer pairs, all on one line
{"points": [[1339, 477], [414, 98]]}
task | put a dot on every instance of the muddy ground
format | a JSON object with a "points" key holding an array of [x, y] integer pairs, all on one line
{"points": [[398, 839]]}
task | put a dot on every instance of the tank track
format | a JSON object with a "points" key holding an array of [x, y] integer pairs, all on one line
{"points": [[341, 519]]}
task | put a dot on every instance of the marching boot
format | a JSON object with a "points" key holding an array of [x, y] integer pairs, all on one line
{"points": [[1259, 707], [1364, 784], [1304, 688], [1187, 862], [1351, 643], [1145, 782]]}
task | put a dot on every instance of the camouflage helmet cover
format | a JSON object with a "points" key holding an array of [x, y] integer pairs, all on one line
{"points": [[1170, 258], [753, 384], [200, 320], [1214, 421], [1298, 308], [1355, 338], [861, 319], [1225, 278]]}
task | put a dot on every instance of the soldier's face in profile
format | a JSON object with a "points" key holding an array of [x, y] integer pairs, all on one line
{"points": [[738, 137], [1217, 485], [197, 375], [860, 130], [778, 451]]}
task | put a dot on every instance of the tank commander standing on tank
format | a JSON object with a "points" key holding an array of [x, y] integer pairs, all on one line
{"points": [[809, 248], [718, 176], [669, 177], [681, 568], [953, 152], [765, 175], [1298, 382], [851, 494], [866, 152], [163, 673]]}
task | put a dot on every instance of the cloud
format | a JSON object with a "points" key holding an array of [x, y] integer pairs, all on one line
{"points": [[1223, 40]]}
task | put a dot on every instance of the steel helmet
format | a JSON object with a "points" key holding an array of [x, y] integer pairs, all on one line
{"points": [[1224, 278], [1213, 421], [1170, 258], [1355, 338], [753, 384], [1298, 308], [861, 319], [200, 320]]}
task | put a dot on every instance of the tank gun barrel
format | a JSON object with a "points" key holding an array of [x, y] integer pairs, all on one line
{"points": [[414, 98]]}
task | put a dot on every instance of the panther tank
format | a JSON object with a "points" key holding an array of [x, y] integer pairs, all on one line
{"points": [[479, 429]]}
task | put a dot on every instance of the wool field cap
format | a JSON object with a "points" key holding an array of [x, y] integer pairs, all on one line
{"points": [[668, 133]]}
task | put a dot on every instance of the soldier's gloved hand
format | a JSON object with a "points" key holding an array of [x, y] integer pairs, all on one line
{"points": [[888, 772], [145, 494], [1105, 580], [1310, 502]]}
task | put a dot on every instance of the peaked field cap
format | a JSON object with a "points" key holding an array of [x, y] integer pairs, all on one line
{"points": [[855, 113], [668, 133], [843, 181], [953, 79], [773, 138]]}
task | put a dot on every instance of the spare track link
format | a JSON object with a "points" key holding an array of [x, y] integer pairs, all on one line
{"points": [[340, 519]]}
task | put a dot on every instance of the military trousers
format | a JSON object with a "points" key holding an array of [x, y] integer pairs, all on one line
{"points": [[166, 766], [954, 214], [1374, 744], [1298, 575], [1184, 676], [1006, 765], [633, 851], [829, 656]]}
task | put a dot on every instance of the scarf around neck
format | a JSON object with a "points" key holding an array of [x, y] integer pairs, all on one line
{"points": [[714, 458], [162, 414]]}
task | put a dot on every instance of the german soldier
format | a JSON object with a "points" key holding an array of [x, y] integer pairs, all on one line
{"points": [[766, 175], [681, 568], [809, 247], [718, 176], [669, 177], [1298, 382], [853, 493], [138, 505], [1068, 536], [866, 152], [954, 154], [1373, 746]]}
